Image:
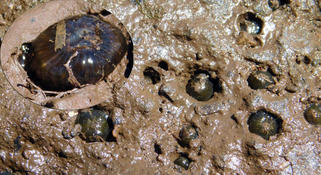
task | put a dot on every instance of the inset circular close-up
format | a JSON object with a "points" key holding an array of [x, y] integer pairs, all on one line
{"points": [[70, 60]]}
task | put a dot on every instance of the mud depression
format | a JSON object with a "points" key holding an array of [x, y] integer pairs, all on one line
{"points": [[160, 87]]}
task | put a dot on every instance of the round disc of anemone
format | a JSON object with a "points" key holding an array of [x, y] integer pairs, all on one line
{"points": [[187, 134], [73, 52], [202, 87], [264, 124], [183, 161], [313, 114], [260, 80], [94, 125]]}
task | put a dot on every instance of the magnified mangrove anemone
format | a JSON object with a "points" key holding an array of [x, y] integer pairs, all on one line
{"points": [[73, 52], [94, 125], [264, 124]]}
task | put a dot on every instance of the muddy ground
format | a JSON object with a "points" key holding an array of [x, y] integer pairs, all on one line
{"points": [[226, 40]]}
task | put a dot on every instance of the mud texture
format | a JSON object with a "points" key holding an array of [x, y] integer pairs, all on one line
{"points": [[172, 41]]}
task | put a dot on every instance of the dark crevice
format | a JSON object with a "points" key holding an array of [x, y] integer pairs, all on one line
{"points": [[110, 137], [163, 65], [234, 119], [17, 144], [157, 148], [152, 74], [130, 57], [164, 94], [62, 154], [105, 12], [49, 104]]}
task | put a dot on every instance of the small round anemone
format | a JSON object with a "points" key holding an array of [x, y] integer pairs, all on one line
{"points": [[94, 125], [260, 80], [264, 124], [183, 162], [313, 114], [187, 134], [200, 87]]}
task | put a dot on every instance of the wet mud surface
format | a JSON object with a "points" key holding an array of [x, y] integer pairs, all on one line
{"points": [[201, 70]]}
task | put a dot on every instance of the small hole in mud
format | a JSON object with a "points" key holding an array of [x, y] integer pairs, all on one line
{"points": [[250, 23], [152, 74], [62, 154], [275, 4], [157, 148], [307, 60], [198, 56], [49, 104], [110, 137], [164, 94], [17, 143], [234, 119], [105, 12], [163, 65]]}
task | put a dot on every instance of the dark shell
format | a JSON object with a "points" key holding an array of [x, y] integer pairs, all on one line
{"points": [[260, 80], [187, 134], [183, 162], [264, 124], [94, 124], [200, 87], [74, 52], [313, 114]]}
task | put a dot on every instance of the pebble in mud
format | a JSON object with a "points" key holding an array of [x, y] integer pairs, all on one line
{"points": [[182, 161], [260, 80], [187, 134], [200, 87], [313, 114], [73, 52], [264, 124], [94, 125]]}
